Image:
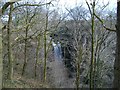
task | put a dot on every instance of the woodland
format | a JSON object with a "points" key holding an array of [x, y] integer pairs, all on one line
{"points": [[43, 46]]}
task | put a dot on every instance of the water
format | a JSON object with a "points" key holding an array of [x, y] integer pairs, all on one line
{"points": [[57, 51]]}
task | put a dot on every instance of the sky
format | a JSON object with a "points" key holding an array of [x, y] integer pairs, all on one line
{"points": [[72, 3]]}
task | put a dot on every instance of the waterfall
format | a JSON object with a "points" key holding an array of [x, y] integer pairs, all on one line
{"points": [[57, 51]]}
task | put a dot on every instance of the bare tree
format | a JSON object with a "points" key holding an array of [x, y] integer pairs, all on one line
{"points": [[116, 82], [79, 24], [1, 58], [10, 73], [28, 20]]}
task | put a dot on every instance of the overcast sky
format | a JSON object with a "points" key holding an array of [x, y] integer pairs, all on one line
{"points": [[72, 3]]}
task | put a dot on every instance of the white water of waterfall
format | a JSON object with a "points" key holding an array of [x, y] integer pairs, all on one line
{"points": [[57, 51]]}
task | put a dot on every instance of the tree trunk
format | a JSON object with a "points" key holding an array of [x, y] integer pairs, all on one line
{"points": [[79, 58], [25, 51], [117, 60], [26, 40], [1, 65], [45, 56], [37, 54], [10, 64], [45, 46], [92, 51]]}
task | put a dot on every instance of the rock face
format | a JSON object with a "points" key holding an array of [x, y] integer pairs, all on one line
{"points": [[67, 58], [65, 38]]}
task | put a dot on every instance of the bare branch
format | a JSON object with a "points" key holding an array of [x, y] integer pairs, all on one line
{"points": [[109, 29], [88, 7], [32, 5]]}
